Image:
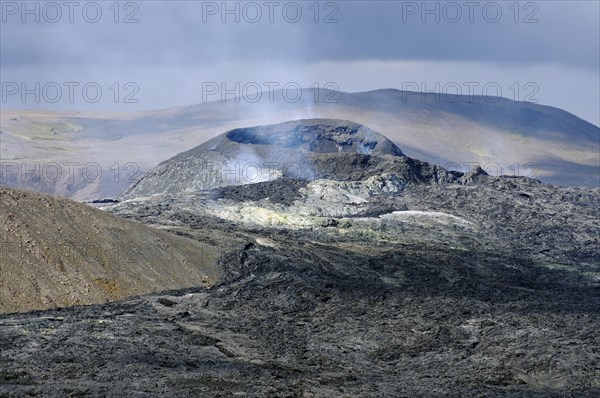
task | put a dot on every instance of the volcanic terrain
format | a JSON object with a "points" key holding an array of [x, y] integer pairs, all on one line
{"points": [[342, 267]]}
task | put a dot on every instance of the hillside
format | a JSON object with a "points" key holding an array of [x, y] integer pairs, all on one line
{"points": [[503, 136], [261, 153], [57, 253]]}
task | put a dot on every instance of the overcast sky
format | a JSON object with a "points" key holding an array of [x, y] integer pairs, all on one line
{"points": [[545, 51]]}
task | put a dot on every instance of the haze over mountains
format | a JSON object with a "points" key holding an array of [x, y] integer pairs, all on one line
{"points": [[110, 151]]}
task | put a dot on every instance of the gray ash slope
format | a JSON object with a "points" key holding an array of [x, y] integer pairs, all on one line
{"points": [[255, 154], [384, 277]]}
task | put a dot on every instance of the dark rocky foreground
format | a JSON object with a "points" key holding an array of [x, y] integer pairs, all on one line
{"points": [[299, 313], [320, 321], [383, 276]]}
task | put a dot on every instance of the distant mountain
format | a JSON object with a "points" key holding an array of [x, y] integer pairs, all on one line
{"points": [[502, 136]]}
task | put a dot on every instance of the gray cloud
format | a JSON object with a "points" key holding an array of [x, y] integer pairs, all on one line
{"points": [[173, 36], [172, 32]]}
